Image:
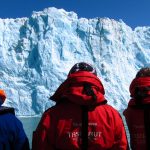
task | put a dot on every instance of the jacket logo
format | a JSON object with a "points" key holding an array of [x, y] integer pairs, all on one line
{"points": [[91, 135]]}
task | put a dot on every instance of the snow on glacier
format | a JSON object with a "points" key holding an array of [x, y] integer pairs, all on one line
{"points": [[36, 54]]}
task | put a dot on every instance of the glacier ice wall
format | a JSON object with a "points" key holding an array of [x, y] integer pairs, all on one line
{"points": [[36, 54]]}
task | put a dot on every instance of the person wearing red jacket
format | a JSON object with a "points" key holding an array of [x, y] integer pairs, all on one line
{"points": [[81, 118], [137, 113]]}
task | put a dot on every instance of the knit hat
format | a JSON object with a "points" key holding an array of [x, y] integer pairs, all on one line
{"points": [[2, 96], [82, 66]]}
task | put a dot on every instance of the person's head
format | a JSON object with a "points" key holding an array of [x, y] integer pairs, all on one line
{"points": [[82, 66], [2, 97], [140, 86], [144, 72]]}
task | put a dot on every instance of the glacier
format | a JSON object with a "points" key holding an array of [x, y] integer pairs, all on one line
{"points": [[36, 54]]}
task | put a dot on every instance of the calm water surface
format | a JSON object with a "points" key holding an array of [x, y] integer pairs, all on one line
{"points": [[29, 124]]}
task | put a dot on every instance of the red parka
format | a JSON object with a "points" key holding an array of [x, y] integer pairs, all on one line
{"points": [[60, 126], [134, 114]]}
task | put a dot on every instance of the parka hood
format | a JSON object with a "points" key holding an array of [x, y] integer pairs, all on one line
{"points": [[74, 89], [139, 82]]}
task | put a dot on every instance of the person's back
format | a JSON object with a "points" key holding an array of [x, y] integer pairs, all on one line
{"points": [[12, 135], [80, 113], [138, 112]]}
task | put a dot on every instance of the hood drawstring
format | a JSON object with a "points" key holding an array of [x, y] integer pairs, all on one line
{"points": [[84, 130]]}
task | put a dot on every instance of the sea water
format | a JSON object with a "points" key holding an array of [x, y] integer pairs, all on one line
{"points": [[30, 124]]}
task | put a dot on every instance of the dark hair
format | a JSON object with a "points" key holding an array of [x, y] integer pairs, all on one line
{"points": [[144, 72]]}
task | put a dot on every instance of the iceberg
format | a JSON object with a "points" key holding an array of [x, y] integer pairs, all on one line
{"points": [[36, 54]]}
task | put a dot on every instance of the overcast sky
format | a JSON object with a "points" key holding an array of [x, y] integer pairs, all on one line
{"points": [[133, 12]]}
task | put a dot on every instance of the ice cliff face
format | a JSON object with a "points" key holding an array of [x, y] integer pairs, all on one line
{"points": [[36, 54]]}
